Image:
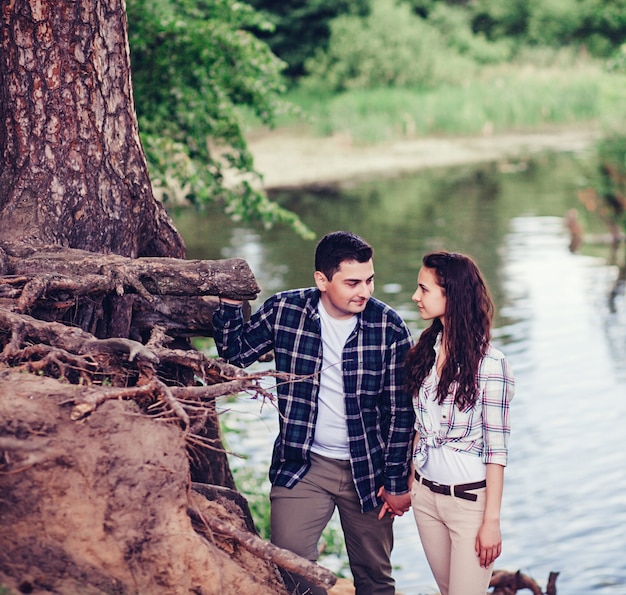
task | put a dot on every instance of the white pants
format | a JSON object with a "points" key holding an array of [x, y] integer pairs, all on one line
{"points": [[448, 527]]}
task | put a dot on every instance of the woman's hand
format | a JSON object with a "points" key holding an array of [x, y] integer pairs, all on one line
{"points": [[488, 542]]}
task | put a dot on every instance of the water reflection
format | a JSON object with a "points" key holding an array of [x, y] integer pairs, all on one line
{"points": [[564, 500], [461, 209], [565, 481]]}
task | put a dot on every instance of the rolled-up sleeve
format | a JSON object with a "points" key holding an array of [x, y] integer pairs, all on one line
{"points": [[498, 387]]}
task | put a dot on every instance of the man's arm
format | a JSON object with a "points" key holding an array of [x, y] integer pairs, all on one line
{"points": [[401, 426], [398, 505], [242, 343]]}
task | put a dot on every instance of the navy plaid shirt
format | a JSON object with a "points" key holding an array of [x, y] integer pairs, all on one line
{"points": [[379, 412]]}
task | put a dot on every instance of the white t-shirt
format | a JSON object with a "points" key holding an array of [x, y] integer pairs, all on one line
{"points": [[331, 430]]}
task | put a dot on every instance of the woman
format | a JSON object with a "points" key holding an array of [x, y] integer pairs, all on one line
{"points": [[461, 387]]}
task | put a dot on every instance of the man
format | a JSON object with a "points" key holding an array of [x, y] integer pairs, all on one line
{"points": [[346, 422]]}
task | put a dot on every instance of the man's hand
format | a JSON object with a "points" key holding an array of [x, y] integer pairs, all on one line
{"points": [[395, 505]]}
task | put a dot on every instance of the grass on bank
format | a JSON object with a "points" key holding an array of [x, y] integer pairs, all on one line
{"points": [[506, 98]]}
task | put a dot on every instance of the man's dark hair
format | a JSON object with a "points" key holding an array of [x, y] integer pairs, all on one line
{"points": [[337, 247]]}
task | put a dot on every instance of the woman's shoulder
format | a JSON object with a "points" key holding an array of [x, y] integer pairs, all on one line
{"points": [[493, 359], [494, 353]]}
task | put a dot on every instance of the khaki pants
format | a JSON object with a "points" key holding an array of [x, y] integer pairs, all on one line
{"points": [[299, 515], [448, 527]]}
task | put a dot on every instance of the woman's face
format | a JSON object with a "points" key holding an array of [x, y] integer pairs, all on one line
{"points": [[429, 296]]}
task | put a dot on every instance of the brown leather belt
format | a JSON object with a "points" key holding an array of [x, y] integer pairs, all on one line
{"points": [[459, 491]]}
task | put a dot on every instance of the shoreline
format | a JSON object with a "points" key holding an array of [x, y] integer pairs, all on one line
{"points": [[288, 159]]}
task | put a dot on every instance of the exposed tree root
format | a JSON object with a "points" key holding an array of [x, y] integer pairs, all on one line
{"points": [[314, 573], [509, 583]]}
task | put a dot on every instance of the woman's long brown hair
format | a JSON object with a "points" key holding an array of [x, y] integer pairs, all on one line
{"points": [[468, 317]]}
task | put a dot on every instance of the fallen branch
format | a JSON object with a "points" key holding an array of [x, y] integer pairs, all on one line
{"points": [[265, 550], [80, 271], [509, 583], [551, 587], [213, 391], [113, 296]]}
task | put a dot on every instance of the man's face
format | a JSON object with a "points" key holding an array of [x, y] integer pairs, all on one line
{"points": [[347, 292]]}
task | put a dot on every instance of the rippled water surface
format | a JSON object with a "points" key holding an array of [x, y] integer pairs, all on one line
{"points": [[564, 506]]}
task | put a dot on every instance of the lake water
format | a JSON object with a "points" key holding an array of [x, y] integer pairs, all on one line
{"points": [[564, 506]]}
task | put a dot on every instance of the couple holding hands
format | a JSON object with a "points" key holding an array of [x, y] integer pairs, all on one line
{"points": [[375, 424]]}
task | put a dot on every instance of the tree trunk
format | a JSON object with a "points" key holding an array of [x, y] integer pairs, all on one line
{"points": [[73, 171], [73, 175]]}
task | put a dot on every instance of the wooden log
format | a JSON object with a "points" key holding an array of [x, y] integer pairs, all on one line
{"points": [[79, 270], [188, 316], [112, 296], [551, 586]]}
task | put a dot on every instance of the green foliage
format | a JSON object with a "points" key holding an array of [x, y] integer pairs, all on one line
{"points": [[604, 24], [598, 26], [195, 64], [390, 47], [617, 62], [455, 27], [256, 489], [553, 23], [422, 7], [302, 26]]}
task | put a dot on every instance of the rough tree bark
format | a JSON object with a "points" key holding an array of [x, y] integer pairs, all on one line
{"points": [[72, 170]]}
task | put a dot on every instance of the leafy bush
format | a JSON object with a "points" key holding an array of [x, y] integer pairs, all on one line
{"points": [[454, 25], [597, 26], [554, 22], [390, 47], [302, 26], [617, 62]]}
